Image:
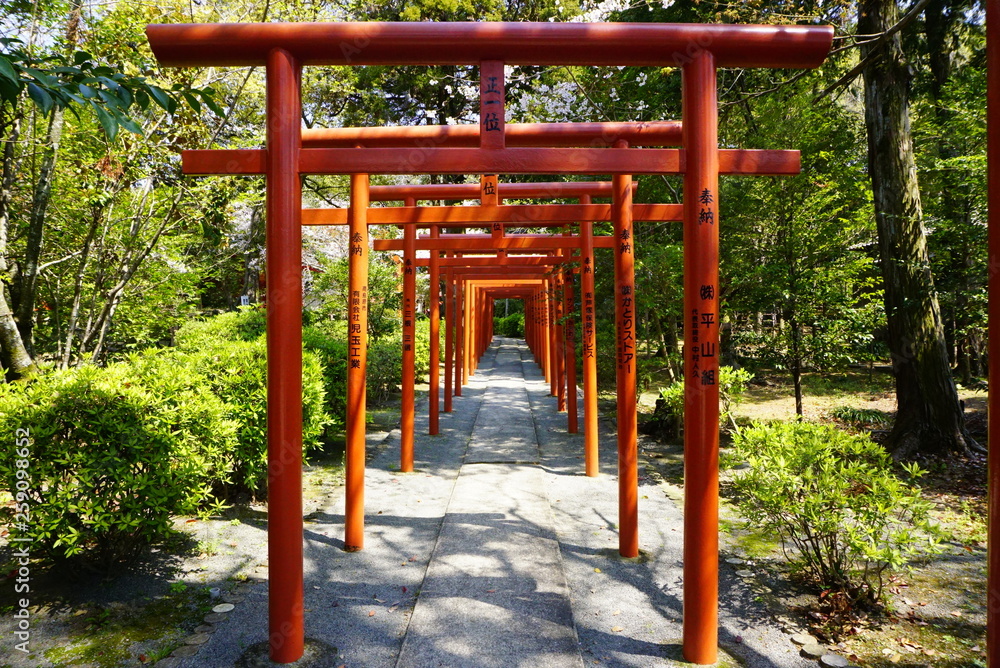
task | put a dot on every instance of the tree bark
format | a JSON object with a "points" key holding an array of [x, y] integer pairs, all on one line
{"points": [[28, 287], [929, 418], [14, 356]]}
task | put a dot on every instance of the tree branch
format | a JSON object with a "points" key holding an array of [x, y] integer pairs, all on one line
{"points": [[45, 266], [874, 54]]}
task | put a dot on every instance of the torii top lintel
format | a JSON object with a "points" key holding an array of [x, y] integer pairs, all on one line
{"points": [[469, 43]]}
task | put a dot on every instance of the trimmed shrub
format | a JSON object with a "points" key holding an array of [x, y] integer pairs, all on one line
{"points": [[112, 456], [237, 373], [332, 355], [835, 500], [511, 326], [249, 323]]}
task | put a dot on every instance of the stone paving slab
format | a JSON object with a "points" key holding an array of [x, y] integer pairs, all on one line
{"points": [[495, 593]]}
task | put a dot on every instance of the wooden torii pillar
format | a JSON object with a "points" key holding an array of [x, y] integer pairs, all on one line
{"points": [[698, 49]]}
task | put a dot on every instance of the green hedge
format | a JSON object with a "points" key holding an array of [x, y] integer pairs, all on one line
{"points": [[236, 371], [113, 454], [511, 326]]}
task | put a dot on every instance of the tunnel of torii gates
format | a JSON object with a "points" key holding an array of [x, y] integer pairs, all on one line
{"points": [[495, 148]]}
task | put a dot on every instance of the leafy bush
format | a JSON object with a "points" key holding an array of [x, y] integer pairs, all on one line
{"points": [[511, 326], [247, 324], [237, 374], [861, 418], [332, 355], [113, 455], [385, 369], [834, 497], [668, 416]]}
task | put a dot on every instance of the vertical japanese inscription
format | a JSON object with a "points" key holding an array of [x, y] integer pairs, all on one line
{"points": [[358, 308], [408, 307], [626, 341], [491, 104], [704, 321]]}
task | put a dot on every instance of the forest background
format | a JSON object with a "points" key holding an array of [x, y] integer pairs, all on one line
{"points": [[874, 256]]}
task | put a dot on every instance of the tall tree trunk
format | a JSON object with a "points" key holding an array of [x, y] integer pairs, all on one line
{"points": [[28, 287], [929, 418], [74, 315], [27, 291], [14, 356]]}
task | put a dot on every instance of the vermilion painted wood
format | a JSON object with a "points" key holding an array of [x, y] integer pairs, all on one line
{"points": [[636, 44], [458, 43], [464, 191], [494, 261], [573, 404], [569, 338], [407, 408], [589, 356], [628, 456], [492, 102], [434, 293], [459, 337], [449, 333], [652, 133], [993, 188], [519, 215], [284, 360], [485, 243], [701, 391], [483, 161], [559, 365], [354, 514]]}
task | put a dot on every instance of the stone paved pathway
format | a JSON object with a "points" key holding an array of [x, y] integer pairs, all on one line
{"points": [[498, 551]]}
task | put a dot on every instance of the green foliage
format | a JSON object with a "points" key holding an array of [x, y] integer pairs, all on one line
{"points": [[384, 294], [861, 418], [113, 454], [331, 352], [246, 324], [237, 373], [834, 498], [511, 326], [670, 406], [60, 82]]}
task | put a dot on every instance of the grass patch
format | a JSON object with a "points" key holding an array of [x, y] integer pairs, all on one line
{"points": [[106, 637], [909, 644], [861, 418]]}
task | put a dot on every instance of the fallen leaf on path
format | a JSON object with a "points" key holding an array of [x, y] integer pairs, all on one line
{"points": [[616, 629], [597, 570], [617, 612], [371, 613]]}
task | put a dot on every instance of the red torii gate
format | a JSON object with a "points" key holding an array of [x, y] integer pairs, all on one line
{"points": [[409, 217], [697, 49], [662, 133]]}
